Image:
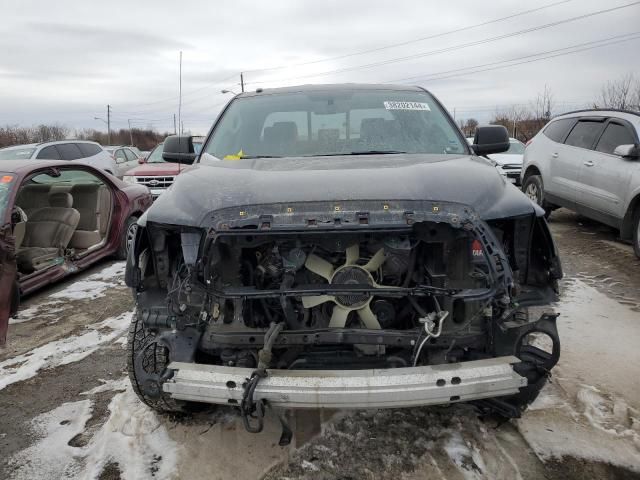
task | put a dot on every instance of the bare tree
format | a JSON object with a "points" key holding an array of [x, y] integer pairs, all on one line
{"points": [[524, 122], [470, 126], [543, 105], [623, 94], [143, 139]]}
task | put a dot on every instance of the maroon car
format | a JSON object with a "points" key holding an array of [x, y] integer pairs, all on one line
{"points": [[59, 218]]}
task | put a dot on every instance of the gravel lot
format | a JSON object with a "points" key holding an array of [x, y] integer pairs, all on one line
{"points": [[68, 411]]}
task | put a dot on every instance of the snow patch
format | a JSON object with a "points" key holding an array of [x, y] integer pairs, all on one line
{"points": [[64, 351], [132, 437], [108, 386], [467, 459], [83, 289], [94, 285], [52, 456], [37, 312], [593, 427], [590, 408], [114, 270]]}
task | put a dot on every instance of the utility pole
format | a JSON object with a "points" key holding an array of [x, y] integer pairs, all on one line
{"points": [[454, 113], [181, 128], [130, 132], [175, 132], [109, 124], [241, 81], [180, 101]]}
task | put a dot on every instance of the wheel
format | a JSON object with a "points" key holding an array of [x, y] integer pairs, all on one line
{"points": [[534, 189], [148, 357], [128, 237], [636, 232]]}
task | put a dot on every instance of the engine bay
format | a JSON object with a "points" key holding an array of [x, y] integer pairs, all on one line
{"points": [[387, 293]]}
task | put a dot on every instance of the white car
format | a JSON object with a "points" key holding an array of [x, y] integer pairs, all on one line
{"points": [[126, 158], [509, 163], [79, 151]]}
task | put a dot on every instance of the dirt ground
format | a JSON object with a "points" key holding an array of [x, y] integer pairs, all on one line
{"points": [[67, 410]]}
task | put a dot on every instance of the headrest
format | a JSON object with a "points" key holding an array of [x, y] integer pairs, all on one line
{"points": [[328, 135], [85, 187], [282, 132], [61, 199]]}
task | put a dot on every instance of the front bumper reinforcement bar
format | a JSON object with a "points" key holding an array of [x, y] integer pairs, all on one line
{"points": [[344, 389]]}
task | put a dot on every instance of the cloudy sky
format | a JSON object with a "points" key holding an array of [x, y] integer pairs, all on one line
{"points": [[65, 60]]}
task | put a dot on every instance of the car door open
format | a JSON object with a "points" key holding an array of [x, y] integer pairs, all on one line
{"points": [[7, 255]]}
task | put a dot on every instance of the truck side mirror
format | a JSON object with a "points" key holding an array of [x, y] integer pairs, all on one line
{"points": [[490, 139], [179, 149]]}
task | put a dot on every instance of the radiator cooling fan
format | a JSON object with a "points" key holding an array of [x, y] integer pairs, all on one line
{"points": [[348, 274]]}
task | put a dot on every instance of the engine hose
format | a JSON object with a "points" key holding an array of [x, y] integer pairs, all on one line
{"points": [[412, 264], [249, 408]]}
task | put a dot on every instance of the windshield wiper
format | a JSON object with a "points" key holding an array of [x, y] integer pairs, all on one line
{"points": [[259, 156], [363, 152]]}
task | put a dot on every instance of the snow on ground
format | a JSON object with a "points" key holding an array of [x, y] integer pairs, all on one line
{"points": [[91, 287], [95, 285], [134, 439], [109, 386], [131, 438], [590, 409], [46, 309], [61, 352], [52, 456], [561, 428], [600, 339]]}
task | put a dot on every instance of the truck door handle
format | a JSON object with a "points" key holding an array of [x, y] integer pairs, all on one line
{"points": [[554, 155], [589, 163]]}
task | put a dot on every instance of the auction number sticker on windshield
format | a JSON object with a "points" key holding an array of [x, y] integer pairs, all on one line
{"points": [[406, 106]]}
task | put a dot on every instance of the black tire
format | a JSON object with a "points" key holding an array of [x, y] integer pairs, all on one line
{"points": [[129, 230], [154, 360], [534, 189], [636, 232]]}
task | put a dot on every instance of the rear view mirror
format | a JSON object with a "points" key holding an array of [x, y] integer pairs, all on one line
{"points": [[490, 139], [179, 149], [628, 151]]}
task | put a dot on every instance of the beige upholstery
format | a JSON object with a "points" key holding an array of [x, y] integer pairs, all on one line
{"points": [[48, 232], [93, 201], [106, 205], [36, 258], [87, 200], [60, 200], [19, 230], [33, 197]]}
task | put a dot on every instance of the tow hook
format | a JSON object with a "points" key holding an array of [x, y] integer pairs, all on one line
{"points": [[252, 412]]}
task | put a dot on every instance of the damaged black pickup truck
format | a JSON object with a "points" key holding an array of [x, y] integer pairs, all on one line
{"points": [[341, 246]]}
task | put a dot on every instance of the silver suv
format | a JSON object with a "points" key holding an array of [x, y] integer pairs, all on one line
{"points": [[589, 161]]}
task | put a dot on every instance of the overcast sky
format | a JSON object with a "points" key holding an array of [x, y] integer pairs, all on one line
{"points": [[65, 60]]}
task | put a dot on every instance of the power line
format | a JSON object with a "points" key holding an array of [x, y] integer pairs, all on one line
{"points": [[173, 99], [452, 48], [509, 63], [408, 42]]}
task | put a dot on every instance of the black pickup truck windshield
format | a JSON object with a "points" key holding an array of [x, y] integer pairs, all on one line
{"points": [[333, 122]]}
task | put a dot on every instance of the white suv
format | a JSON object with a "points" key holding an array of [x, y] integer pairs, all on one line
{"points": [[80, 151], [589, 161]]}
